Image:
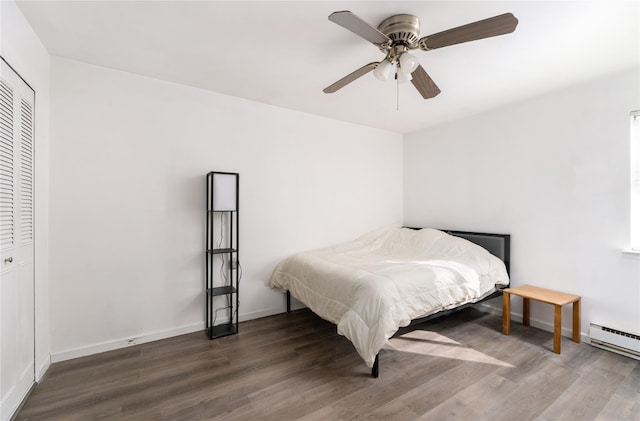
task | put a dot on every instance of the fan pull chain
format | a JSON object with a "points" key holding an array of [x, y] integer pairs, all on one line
{"points": [[397, 93]]}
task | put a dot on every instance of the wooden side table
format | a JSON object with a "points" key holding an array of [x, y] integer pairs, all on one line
{"points": [[558, 299]]}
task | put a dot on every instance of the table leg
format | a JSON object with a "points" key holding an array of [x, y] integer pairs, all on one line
{"points": [[576, 321], [526, 310], [506, 313], [557, 328]]}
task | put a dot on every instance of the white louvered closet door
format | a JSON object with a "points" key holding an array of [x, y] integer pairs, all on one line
{"points": [[17, 359]]}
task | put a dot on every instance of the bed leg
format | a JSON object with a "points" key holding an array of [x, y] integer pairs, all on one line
{"points": [[288, 302], [374, 370]]}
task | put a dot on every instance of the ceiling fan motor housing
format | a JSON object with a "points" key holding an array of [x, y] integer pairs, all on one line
{"points": [[401, 29]]}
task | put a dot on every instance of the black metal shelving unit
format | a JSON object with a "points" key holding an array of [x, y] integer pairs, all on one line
{"points": [[222, 257]]}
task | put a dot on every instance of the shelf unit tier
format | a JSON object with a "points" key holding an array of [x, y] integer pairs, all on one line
{"points": [[221, 291], [222, 251], [224, 329]]}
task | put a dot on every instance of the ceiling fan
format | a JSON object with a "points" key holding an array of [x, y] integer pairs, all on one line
{"points": [[398, 34]]}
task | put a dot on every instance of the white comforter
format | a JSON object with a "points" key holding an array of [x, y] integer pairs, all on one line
{"points": [[378, 283]]}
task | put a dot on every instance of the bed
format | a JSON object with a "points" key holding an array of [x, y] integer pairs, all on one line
{"points": [[372, 286]]}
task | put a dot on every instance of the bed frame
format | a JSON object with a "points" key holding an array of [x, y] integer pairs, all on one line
{"points": [[497, 244]]}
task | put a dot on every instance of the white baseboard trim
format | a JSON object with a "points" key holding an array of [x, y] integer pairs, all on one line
{"points": [[43, 367], [144, 338], [123, 343], [260, 314], [488, 308]]}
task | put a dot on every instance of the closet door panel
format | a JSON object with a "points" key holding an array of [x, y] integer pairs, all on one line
{"points": [[17, 327]]}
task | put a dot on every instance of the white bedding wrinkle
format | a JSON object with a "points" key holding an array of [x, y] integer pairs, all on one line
{"points": [[374, 285]]}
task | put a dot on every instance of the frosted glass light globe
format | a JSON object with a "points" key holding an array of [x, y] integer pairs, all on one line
{"points": [[383, 70], [408, 63]]}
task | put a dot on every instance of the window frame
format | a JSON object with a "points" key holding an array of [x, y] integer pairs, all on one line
{"points": [[634, 178]]}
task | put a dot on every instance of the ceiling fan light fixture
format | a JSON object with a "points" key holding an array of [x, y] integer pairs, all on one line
{"points": [[398, 34], [404, 77], [408, 63], [383, 70]]}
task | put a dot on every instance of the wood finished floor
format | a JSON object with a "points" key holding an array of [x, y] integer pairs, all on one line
{"points": [[295, 366]]}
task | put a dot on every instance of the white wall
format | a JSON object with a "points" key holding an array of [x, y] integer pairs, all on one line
{"points": [[22, 49], [128, 161], [554, 173]]}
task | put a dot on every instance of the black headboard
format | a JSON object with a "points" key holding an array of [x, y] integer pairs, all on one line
{"points": [[497, 244]]}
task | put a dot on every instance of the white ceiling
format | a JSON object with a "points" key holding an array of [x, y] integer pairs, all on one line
{"points": [[284, 53]]}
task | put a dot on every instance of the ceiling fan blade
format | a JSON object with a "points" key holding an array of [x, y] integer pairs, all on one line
{"points": [[491, 27], [350, 78], [424, 84], [353, 23]]}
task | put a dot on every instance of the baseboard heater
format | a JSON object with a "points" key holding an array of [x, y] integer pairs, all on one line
{"points": [[614, 340]]}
